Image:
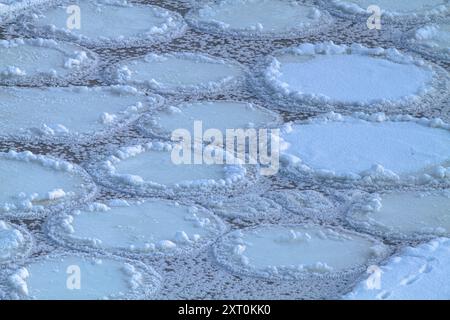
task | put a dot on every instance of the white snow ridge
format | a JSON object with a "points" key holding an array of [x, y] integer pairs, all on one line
{"points": [[432, 40], [409, 215], [297, 251], [258, 18], [151, 227], [180, 73], [352, 77], [70, 113], [105, 23], [352, 150], [33, 185], [71, 276], [15, 242], [40, 61]]}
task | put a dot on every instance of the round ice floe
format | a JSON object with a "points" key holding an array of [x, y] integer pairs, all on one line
{"points": [[402, 214], [15, 242], [180, 73], [296, 251], [352, 77], [105, 23], [368, 150], [220, 115], [432, 40], [80, 277], [393, 10], [140, 227], [258, 18], [33, 185], [39, 61], [73, 112], [164, 169]]}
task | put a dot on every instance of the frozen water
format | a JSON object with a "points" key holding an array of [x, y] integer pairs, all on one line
{"points": [[177, 73], [410, 8], [221, 115], [433, 39], [341, 75], [354, 148], [411, 215], [69, 112], [57, 278], [262, 18], [38, 61], [149, 169], [108, 23], [15, 242], [296, 251], [416, 273], [34, 184], [144, 227]]}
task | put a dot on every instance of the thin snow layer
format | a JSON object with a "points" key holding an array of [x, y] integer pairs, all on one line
{"points": [[296, 251], [34, 185], [416, 273], [15, 242], [258, 18], [433, 39], [326, 73], [151, 169], [180, 73], [353, 149], [107, 23], [220, 115], [76, 112], [81, 277], [39, 61], [141, 227], [393, 9], [403, 215]]}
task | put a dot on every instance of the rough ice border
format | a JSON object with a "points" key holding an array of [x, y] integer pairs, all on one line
{"points": [[300, 30], [149, 127], [25, 250], [11, 11], [351, 11], [267, 86], [376, 177], [56, 223], [123, 120], [120, 74], [222, 249], [151, 280], [89, 188], [365, 202], [175, 24], [84, 60], [102, 168]]}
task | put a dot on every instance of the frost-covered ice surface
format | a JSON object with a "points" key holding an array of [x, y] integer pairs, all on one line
{"points": [[15, 242], [353, 149], [408, 214], [149, 227], [50, 111], [46, 278], [258, 18], [185, 72], [33, 185], [433, 40], [221, 115], [296, 251], [412, 9], [106, 23], [416, 273], [346, 76], [11, 8], [148, 170], [40, 61]]}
